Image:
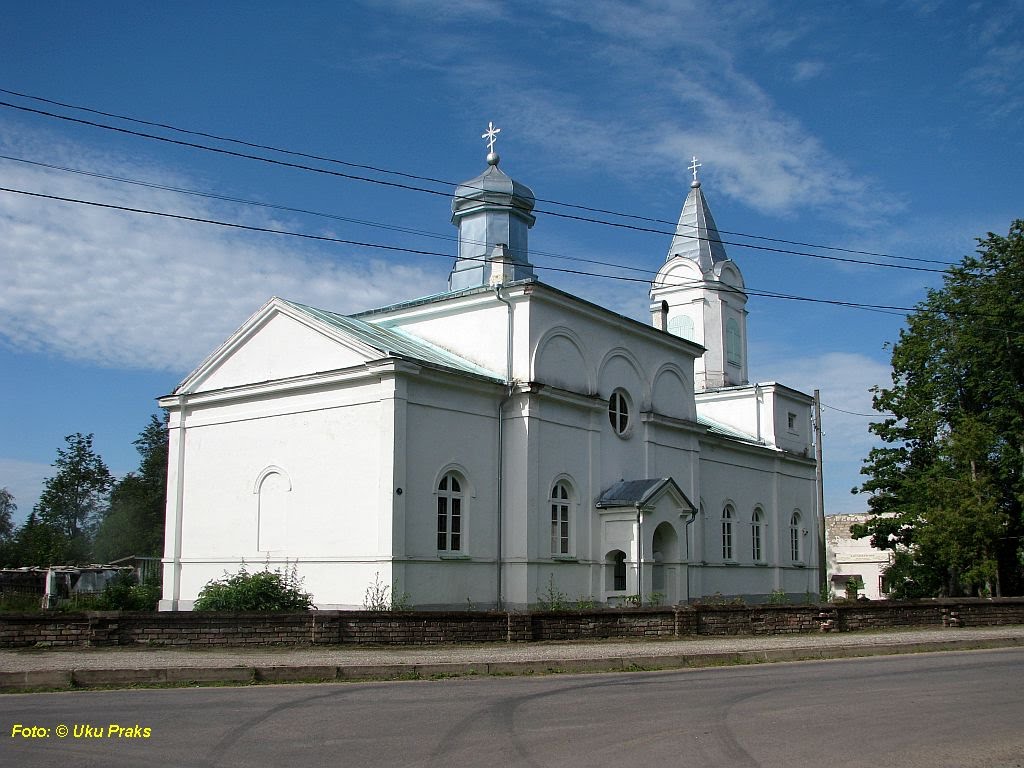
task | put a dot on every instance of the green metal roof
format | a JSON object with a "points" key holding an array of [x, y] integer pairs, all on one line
{"points": [[394, 342], [718, 428]]}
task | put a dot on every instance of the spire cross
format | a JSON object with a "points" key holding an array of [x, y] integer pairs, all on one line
{"points": [[694, 166], [491, 135]]}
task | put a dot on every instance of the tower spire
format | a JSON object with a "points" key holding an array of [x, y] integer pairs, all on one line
{"points": [[698, 294], [696, 236]]}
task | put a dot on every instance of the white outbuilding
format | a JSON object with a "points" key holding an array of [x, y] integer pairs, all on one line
{"points": [[499, 443]]}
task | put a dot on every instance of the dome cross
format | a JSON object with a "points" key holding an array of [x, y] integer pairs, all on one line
{"points": [[694, 166], [491, 135]]}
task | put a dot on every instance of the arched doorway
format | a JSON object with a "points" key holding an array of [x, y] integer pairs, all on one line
{"points": [[615, 571], [665, 553]]}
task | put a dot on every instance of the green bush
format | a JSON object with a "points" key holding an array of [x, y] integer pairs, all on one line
{"points": [[265, 590], [381, 597], [124, 593], [20, 602], [552, 599]]}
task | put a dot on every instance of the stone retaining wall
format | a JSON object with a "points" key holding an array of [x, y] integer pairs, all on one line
{"points": [[432, 628]]}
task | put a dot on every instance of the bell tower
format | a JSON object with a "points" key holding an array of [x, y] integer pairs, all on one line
{"points": [[703, 291]]}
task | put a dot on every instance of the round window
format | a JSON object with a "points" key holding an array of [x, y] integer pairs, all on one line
{"points": [[618, 411]]}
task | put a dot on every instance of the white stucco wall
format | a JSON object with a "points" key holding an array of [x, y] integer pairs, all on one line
{"points": [[849, 557], [450, 427], [327, 505], [350, 461], [749, 479]]}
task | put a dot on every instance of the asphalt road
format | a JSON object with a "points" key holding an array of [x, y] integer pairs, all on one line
{"points": [[948, 709]]}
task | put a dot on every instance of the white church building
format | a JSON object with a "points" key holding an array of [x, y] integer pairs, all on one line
{"points": [[500, 440]]}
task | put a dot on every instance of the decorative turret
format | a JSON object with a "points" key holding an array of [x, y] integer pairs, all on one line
{"points": [[493, 213], [699, 295]]}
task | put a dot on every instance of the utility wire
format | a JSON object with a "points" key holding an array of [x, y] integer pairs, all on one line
{"points": [[381, 246], [222, 151], [853, 413], [882, 308], [445, 193], [304, 211], [309, 156]]}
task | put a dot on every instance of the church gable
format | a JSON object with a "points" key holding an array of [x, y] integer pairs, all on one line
{"points": [[278, 342]]}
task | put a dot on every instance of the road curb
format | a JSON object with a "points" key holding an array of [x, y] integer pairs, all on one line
{"points": [[243, 675]]}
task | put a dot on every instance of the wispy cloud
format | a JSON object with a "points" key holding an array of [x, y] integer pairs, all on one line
{"points": [[996, 78], [126, 290], [845, 381], [807, 70], [671, 87]]}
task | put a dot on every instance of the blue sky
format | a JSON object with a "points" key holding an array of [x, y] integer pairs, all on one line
{"points": [[895, 128]]}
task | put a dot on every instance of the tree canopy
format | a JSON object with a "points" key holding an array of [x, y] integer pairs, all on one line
{"points": [[7, 510], [85, 515], [75, 499], [946, 487], [134, 524]]}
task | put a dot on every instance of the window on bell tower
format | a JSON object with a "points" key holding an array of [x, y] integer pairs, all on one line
{"points": [[681, 326], [733, 343]]}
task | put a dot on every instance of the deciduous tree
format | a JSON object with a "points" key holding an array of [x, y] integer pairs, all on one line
{"points": [[7, 510], [36, 543], [947, 489], [135, 523], [76, 498]]}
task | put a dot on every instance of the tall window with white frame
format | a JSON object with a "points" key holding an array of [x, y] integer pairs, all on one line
{"points": [[449, 513], [727, 517], [561, 497], [795, 533], [756, 533]]}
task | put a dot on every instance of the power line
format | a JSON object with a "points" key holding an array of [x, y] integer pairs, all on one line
{"points": [[420, 252], [225, 198], [853, 413], [416, 177], [748, 245], [222, 151], [885, 309], [409, 187], [304, 211]]}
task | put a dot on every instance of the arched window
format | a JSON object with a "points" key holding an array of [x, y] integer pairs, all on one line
{"points": [[450, 513], [560, 502], [681, 326], [618, 411], [272, 492], [795, 534], [727, 517], [733, 343], [615, 569], [756, 535]]}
